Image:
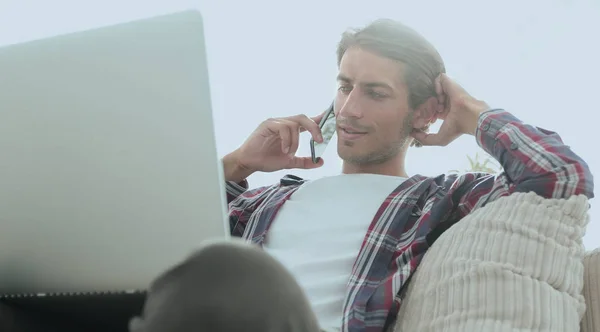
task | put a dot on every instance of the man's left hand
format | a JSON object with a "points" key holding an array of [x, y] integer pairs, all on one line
{"points": [[458, 110]]}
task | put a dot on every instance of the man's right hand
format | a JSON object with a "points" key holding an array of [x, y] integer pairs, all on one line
{"points": [[272, 147]]}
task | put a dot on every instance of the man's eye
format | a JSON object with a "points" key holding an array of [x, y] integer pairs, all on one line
{"points": [[345, 89], [376, 95]]}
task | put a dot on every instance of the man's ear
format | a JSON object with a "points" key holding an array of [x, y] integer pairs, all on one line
{"points": [[425, 114]]}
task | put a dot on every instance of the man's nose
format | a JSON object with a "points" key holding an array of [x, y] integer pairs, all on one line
{"points": [[350, 106]]}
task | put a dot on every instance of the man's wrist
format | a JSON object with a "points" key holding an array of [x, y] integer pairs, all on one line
{"points": [[475, 108], [233, 170]]}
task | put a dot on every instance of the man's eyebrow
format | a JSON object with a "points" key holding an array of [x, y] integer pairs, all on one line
{"points": [[342, 78], [377, 85]]}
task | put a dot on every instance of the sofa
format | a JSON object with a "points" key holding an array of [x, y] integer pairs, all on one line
{"points": [[517, 264], [591, 292]]}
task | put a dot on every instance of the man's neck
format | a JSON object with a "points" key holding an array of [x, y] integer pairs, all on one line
{"points": [[393, 167]]}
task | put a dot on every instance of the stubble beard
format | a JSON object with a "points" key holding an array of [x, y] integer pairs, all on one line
{"points": [[384, 153]]}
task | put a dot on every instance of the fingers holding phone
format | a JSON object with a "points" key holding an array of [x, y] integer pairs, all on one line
{"points": [[273, 145], [299, 124]]}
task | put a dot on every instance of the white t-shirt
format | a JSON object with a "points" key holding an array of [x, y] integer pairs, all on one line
{"points": [[318, 233]]}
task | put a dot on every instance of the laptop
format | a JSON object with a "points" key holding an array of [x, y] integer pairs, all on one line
{"points": [[109, 171]]}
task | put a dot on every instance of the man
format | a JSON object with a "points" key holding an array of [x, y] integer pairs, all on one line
{"points": [[337, 252]]}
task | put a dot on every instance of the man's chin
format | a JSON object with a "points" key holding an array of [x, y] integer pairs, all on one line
{"points": [[352, 156], [346, 154]]}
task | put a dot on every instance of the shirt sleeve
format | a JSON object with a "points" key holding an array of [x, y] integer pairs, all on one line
{"points": [[234, 190], [241, 204], [533, 160]]}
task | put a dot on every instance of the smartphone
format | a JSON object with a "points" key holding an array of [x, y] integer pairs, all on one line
{"points": [[328, 130]]}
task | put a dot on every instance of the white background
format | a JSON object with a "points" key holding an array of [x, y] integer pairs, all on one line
{"points": [[537, 59]]}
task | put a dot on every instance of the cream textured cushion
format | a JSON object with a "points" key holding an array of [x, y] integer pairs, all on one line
{"points": [[591, 292], [514, 265]]}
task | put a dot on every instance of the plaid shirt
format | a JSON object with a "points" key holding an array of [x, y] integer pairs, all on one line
{"points": [[421, 208]]}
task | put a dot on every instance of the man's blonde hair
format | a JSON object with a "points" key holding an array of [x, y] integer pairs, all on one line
{"points": [[398, 42]]}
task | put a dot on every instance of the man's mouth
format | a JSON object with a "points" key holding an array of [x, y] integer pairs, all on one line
{"points": [[350, 133], [347, 131], [350, 130]]}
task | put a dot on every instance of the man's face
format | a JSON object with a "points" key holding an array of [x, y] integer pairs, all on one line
{"points": [[371, 107]]}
